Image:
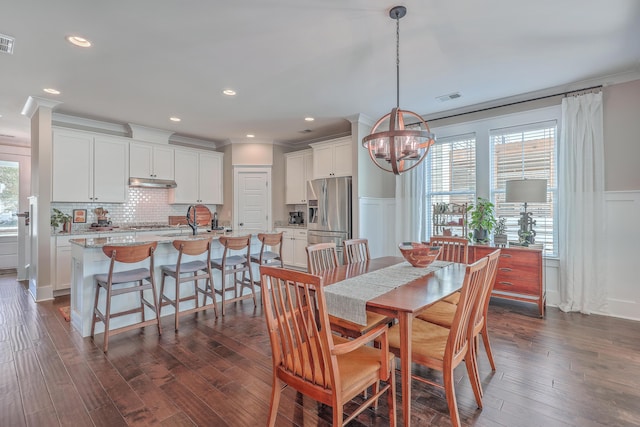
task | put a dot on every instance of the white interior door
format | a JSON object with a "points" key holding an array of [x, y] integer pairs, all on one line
{"points": [[252, 188]]}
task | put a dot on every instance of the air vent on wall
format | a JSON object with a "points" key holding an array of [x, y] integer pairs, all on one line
{"points": [[449, 97], [6, 44]]}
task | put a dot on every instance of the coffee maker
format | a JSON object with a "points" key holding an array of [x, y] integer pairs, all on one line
{"points": [[296, 218]]}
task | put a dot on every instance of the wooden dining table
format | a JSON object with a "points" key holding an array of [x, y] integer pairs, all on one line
{"points": [[403, 303]]}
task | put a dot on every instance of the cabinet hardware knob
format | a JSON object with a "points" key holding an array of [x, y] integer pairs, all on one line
{"points": [[506, 269], [505, 255], [506, 283]]}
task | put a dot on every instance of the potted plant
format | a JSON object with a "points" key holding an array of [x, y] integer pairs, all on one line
{"points": [[482, 220], [500, 236], [59, 218]]}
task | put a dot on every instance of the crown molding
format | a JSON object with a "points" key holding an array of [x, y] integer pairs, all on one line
{"points": [[34, 103]]}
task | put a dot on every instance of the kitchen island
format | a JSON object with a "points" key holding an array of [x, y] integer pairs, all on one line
{"points": [[87, 259]]}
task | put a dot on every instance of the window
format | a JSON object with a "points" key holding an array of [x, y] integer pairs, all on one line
{"points": [[527, 151], [451, 174], [9, 180]]}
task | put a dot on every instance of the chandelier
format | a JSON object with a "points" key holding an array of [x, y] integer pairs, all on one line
{"points": [[398, 149]]}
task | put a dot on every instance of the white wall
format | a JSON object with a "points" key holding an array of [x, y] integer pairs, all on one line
{"points": [[374, 214]]}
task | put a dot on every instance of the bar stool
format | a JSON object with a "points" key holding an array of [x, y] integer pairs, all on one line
{"points": [[232, 265], [142, 279], [269, 254], [195, 270]]}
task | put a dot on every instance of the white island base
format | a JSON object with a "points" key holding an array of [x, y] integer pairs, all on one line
{"points": [[87, 259]]}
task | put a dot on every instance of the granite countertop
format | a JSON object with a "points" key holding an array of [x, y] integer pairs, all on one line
{"points": [[130, 229], [130, 239]]}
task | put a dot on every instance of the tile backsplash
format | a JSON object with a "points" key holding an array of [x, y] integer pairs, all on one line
{"points": [[143, 206]]}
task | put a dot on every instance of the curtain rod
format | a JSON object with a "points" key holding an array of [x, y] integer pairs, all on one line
{"points": [[572, 92]]}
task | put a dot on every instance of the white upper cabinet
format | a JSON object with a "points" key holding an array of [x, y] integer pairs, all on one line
{"points": [[210, 178], [89, 167], [151, 161], [332, 158], [298, 169], [198, 177]]}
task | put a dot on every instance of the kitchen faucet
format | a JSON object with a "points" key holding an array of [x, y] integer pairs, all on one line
{"points": [[194, 224]]}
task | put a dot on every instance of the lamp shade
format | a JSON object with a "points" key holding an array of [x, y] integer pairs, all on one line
{"points": [[526, 191]]}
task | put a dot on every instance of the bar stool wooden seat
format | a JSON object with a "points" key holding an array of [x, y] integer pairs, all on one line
{"points": [[236, 259], [270, 251], [138, 280], [189, 271]]}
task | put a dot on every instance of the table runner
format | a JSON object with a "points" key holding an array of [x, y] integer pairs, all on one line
{"points": [[348, 298]]}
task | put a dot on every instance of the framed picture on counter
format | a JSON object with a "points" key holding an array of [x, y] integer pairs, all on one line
{"points": [[79, 216]]}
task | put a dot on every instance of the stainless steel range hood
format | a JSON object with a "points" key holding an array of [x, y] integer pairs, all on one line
{"points": [[152, 183]]}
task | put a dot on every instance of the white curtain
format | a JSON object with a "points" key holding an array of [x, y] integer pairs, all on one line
{"points": [[410, 211], [581, 204]]}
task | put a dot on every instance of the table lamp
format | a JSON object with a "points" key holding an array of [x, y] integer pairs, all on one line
{"points": [[526, 191]]}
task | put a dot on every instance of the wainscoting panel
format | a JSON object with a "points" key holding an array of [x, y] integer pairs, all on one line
{"points": [[8, 252], [377, 225], [622, 210]]}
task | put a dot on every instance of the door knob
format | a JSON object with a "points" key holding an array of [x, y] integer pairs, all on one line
{"points": [[241, 224]]}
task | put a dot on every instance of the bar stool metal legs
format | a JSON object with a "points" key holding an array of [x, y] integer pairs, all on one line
{"points": [[233, 265], [124, 282], [191, 271]]}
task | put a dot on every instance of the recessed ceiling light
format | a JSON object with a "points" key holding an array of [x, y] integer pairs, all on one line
{"points": [[175, 119], [229, 92], [309, 119], [78, 41], [250, 135], [52, 91]]}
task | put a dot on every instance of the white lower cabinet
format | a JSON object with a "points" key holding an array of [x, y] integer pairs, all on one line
{"points": [[61, 260], [294, 243]]}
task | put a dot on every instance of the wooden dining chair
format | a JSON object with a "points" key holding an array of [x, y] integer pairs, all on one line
{"points": [[454, 249], [133, 281], [309, 358], [443, 349], [185, 271], [356, 250], [322, 257], [443, 313], [482, 309]]}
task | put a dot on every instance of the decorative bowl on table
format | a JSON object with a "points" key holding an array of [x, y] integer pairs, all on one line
{"points": [[419, 254]]}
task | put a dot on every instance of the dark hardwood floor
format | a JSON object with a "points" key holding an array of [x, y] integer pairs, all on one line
{"points": [[565, 370]]}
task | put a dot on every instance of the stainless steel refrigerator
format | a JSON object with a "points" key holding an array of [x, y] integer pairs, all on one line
{"points": [[329, 211]]}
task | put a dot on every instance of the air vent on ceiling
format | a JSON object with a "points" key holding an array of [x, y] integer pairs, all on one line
{"points": [[6, 44], [449, 97]]}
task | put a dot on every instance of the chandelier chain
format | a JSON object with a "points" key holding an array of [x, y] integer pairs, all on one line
{"points": [[397, 61]]}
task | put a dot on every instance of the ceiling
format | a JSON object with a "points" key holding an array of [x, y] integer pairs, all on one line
{"points": [[288, 59]]}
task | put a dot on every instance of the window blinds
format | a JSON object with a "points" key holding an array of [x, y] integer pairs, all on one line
{"points": [[527, 151]]}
